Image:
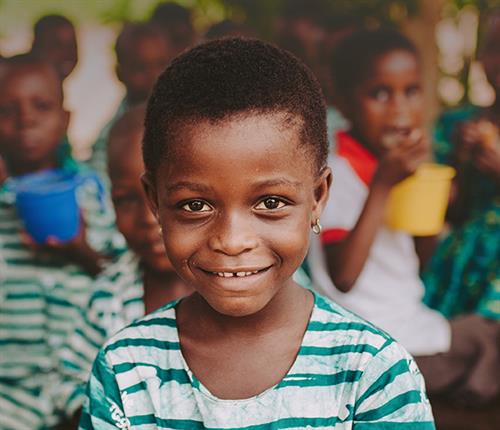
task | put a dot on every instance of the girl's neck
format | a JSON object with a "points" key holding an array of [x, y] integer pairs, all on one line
{"points": [[27, 168], [357, 136], [291, 303]]}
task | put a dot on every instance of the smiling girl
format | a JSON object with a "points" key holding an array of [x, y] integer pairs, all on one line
{"points": [[235, 155]]}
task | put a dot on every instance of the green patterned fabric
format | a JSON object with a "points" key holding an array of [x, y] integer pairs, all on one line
{"points": [[464, 273], [40, 298], [347, 375]]}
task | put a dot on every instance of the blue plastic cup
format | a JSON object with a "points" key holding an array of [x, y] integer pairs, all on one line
{"points": [[47, 204]]}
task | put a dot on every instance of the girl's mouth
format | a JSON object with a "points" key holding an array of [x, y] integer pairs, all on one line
{"points": [[235, 273]]}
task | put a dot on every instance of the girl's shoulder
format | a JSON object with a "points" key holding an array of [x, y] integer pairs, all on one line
{"points": [[334, 320]]}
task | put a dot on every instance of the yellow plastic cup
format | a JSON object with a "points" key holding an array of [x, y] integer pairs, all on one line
{"points": [[418, 204]]}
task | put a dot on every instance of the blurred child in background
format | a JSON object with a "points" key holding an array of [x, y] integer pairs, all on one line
{"points": [[138, 282], [142, 53], [176, 23], [370, 268], [54, 41], [464, 274], [41, 287], [308, 30]]}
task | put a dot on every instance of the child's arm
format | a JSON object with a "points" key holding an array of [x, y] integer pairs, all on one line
{"points": [[346, 258], [425, 247], [487, 160], [76, 251]]}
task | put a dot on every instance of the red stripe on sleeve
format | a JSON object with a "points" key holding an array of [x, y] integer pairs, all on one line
{"points": [[333, 235]]}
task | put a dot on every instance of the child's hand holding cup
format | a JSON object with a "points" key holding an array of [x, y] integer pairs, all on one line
{"points": [[404, 153]]}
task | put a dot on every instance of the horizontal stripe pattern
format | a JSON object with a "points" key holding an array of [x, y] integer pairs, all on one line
{"points": [[347, 373], [40, 299]]}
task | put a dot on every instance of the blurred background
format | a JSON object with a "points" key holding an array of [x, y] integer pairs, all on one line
{"points": [[446, 31]]}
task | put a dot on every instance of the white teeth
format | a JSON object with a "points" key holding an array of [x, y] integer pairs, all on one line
{"points": [[232, 274]]}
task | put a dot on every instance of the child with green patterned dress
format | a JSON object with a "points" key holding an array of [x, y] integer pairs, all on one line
{"points": [[464, 274], [235, 150], [41, 288]]}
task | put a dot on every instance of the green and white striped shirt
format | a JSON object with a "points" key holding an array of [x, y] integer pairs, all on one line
{"points": [[347, 375], [117, 301], [40, 297]]}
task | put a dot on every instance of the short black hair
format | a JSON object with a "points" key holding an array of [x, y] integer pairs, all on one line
{"points": [[356, 54], [224, 77], [48, 22], [132, 32], [28, 60], [169, 13], [176, 21]]}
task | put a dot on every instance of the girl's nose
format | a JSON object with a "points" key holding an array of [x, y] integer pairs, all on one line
{"points": [[26, 117], [233, 236]]}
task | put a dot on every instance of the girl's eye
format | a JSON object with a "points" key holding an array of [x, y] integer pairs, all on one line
{"points": [[412, 91], [7, 110], [43, 105], [270, 203], [196, 206], [381, 95]]}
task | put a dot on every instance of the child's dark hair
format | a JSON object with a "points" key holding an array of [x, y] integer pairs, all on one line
{"points": [[29, 60], [48, 22], [355, 56], [133, 31], [221, 78]]}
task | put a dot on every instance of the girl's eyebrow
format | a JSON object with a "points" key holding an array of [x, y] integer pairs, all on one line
{"points": [[193, 186], [277, 182]]}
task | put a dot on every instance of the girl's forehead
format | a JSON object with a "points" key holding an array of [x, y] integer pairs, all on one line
{"points": [[397, 60], [263, 142]]}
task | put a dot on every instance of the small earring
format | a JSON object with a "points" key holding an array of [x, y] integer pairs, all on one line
{"points": [[316, 228], [160, 231]]}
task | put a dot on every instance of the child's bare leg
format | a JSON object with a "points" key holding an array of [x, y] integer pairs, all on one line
{"points": [[483, 381], [472, 363]]}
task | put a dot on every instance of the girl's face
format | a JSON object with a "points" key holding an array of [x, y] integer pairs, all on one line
{"points": [[32, 119], [236, 201], [390, 101], [133, 216]]}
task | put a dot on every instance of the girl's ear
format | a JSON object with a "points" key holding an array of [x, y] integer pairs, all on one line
{"points": [[151, 194], [321, 193]]}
